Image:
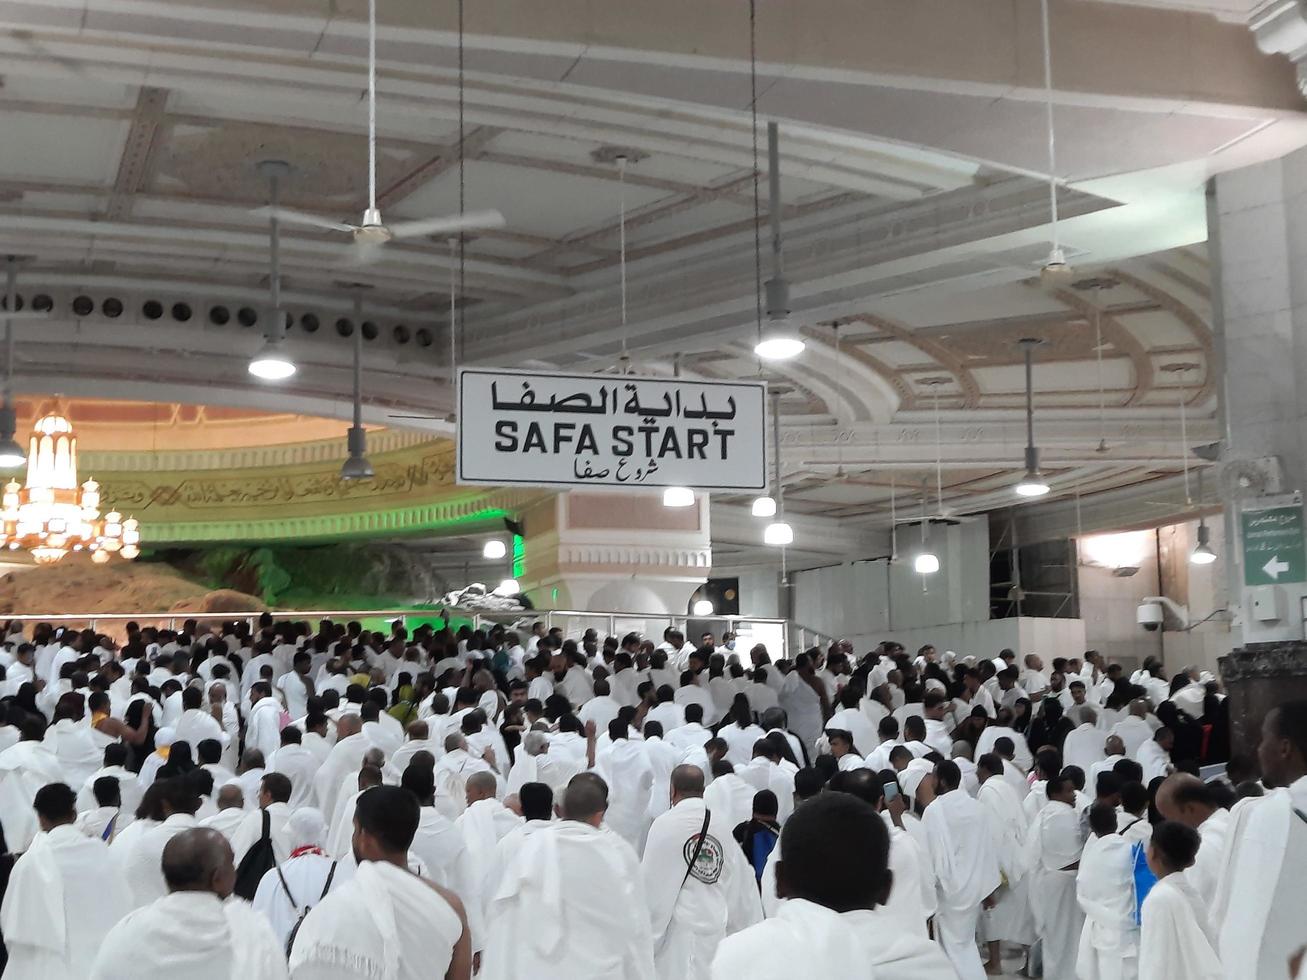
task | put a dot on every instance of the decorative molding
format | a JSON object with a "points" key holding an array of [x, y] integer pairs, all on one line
{"points": [[1280, 27], [254, 457], [1265, 661], [634, 556]]}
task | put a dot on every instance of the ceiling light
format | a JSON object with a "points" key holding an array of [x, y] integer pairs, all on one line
{"points": [[764, 506], [508, 587], [678, 497], [357, 468], [926, 563], [272, 363], [703, 607], [779, 341], [494, 549], [1033, 483], [1203, 553], [778, 533]]}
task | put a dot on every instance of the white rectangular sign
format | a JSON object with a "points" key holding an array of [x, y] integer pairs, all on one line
{"points": [[598, 430]]}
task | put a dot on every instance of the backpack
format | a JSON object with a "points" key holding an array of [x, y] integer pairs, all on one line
{"points": [[258, 861]]}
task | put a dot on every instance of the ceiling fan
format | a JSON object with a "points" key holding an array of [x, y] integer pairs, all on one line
{"points": [[372, 231]]}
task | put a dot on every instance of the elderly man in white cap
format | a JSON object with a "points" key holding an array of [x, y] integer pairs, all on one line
{"points": [[156, 760], [286, 894]]}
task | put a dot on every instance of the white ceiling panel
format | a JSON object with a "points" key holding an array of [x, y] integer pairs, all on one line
{"points": [[60, 149]]}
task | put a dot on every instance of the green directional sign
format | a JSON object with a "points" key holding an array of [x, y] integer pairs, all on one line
{"points": [[1273, 546]]}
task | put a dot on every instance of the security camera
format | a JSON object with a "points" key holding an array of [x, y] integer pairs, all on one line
{"points": [[1152, 610], [1150, 616]]}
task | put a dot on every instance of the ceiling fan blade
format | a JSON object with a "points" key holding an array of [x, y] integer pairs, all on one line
{"points": [[472, 221], [292, 217]]}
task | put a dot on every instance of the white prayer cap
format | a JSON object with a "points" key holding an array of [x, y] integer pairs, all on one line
{"points": [[949, 656], [911, 777], [935, 684], [307, 828], [164, 736]]}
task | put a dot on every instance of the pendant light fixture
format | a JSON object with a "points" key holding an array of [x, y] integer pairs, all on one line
{"points": [[1203, 553], [1033, 483], [778, 532], [779, 340], [494, 549], [926, 562], [11, 453], [272, 363], [678, 497], [1055, 271], [357, 467]]}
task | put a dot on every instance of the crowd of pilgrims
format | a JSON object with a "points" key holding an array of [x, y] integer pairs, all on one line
{"points": [[263, 801]]}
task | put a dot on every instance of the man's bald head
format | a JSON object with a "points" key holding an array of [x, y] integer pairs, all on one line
{"points": [[231, 797], [585, 799], [687, 783], [1185, 799], [454, 742], [864, 784], [199, 860], [418, 731], [480, 786], [347, 725], [374, 757]]}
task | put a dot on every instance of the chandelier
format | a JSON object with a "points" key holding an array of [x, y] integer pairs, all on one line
{"points": [[50, 515]]}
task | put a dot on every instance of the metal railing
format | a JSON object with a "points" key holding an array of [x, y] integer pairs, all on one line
{"points": [[569, 620]]}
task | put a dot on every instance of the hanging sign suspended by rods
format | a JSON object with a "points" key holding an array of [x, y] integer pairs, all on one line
{"points": [[594, 430]]}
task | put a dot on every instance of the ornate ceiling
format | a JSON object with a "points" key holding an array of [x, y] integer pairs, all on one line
{"points": [[915, 221]]}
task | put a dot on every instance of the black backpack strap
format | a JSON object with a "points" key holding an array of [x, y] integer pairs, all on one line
{"points": [[698, 847], [327, 886]]}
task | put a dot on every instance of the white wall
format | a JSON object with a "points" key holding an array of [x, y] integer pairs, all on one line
{"points": [[1108, 603]]}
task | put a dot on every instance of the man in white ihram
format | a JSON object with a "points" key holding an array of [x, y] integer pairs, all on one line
{"points": [[603, 934], [1010, 919], [698, 884], [64, 896], [385, 922], [302, 880], [193, 932], [1055, 849], [966, 870]]}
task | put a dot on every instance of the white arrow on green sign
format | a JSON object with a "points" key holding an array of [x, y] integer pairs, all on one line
{"points": [[1274, 551]]}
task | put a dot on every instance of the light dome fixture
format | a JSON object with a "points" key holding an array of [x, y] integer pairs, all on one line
{"points": [[778, 533], [764, 506], [703, 607], [1203, 553], [494, 549], [272, 363], [678, 497], [357, 466], [1033, 483], [508, 587], [779, 340], [926, 563]]}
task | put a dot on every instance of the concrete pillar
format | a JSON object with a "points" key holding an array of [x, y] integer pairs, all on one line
{"points": [[1258, 245]]}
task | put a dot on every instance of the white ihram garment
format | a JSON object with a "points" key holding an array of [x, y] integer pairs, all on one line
{"points": [[693, 908], [63, 899], [193, 935], [1011, 918], [1105, 889], [1174, 937], [1053, 844], [966, 872], [602, 936]]}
